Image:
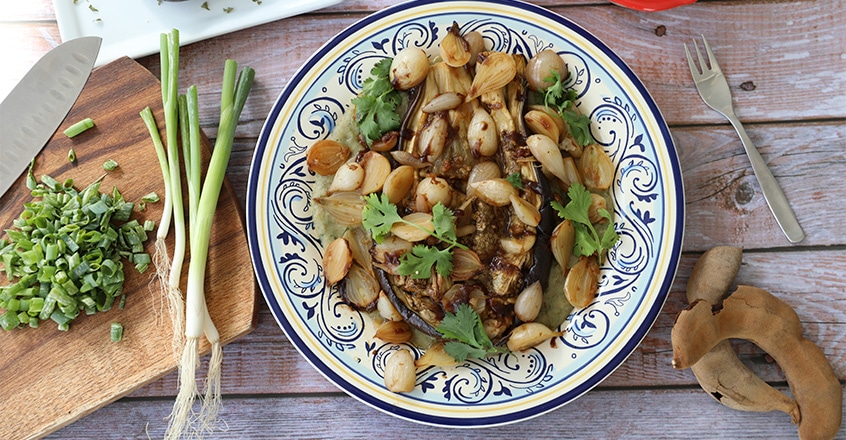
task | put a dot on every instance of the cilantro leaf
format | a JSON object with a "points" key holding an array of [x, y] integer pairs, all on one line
{"points": [[516, 180], [467, 334], [461, 351], [379, 215], [557, 96], [559, 99], [461, 326], [444, 222], [376, 105], [418, 263], [579, 126], [587, 239]]}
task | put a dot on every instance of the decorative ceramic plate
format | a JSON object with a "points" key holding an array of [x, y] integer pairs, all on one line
{"points": [[340, 343]]}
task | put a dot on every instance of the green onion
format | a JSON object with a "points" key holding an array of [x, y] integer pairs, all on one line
{"points": [[64, 254], [116, 332], [150, 198], [79, 127], [71, 156], [202, 199], [110, 165]]}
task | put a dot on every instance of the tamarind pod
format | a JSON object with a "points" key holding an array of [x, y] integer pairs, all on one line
{"points": [[719, 372], [714, 273], [756, 315], [725, 378]]}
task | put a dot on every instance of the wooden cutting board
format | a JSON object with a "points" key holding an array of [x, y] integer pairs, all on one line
{"points": [[50, 378]]}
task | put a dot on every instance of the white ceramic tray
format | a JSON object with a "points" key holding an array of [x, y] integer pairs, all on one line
{"points": [[132, 28]]}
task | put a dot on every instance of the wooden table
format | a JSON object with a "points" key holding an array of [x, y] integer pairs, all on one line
{"points": [[786, 66]]}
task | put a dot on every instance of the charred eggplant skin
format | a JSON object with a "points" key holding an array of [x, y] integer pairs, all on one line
{"points": [[409, 315], [542, 252]]}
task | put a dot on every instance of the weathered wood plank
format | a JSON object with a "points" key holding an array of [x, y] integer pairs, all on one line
{"points": [[788, 60], [677, 413], [782, 87]]}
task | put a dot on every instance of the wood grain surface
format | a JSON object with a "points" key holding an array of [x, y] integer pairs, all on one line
{"points": [[787, 70], [52, 377]]}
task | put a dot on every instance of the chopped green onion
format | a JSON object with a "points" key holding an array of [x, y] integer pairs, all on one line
{"points": [[64, 254], [150, 198], [71, 156], [116, 332], [79, 127], [110, 165]]}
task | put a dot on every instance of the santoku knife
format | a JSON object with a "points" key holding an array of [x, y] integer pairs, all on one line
{"points": [[33, 110]]}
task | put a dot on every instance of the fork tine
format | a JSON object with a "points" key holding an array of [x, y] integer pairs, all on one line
{"points": [[702, 64], [694, 71], [712, 59]]}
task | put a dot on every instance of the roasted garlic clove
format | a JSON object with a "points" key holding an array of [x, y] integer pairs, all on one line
{"points": [[493, 71], [344, 207], [409, 68], [400, 374], [525, 211], [482, 135], [386, 143], [348, 178], [433, 136], [541, 122], [529, 302], [495, 192], [386, 308], [431, 191], [518, 245], [597, 202], [337, 260], [398, 183], [529, 335], [582, 282], [545, 150], [596, 168], [326, 156], [443, 102], [571, 172], [562, 240], [417, 231], [481, 171], [455, 51], [397, 332], [376, 170], [387, 254]]}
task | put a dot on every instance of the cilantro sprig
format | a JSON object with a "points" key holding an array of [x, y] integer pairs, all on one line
{"points": [[376, 105], [588, 240], [466, 334], [516, 180], [379, 215], [559, 99]]}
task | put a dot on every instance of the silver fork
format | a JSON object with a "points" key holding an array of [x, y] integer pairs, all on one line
{"points": [[714, 90]]}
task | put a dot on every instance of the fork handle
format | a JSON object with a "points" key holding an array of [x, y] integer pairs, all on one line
{"points": [[784, 215]]}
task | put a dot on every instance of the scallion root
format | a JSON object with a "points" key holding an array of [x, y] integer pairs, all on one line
{"points": [[183, 407]]}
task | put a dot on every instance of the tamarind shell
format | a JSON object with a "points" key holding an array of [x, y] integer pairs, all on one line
{"points": [[719, 372], [756, 315]]}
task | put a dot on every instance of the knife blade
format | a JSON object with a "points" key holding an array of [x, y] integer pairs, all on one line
{"points": [[35, 108]]}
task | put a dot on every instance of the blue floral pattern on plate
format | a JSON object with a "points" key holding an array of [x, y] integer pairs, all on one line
{"points": [[339, 342]]}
